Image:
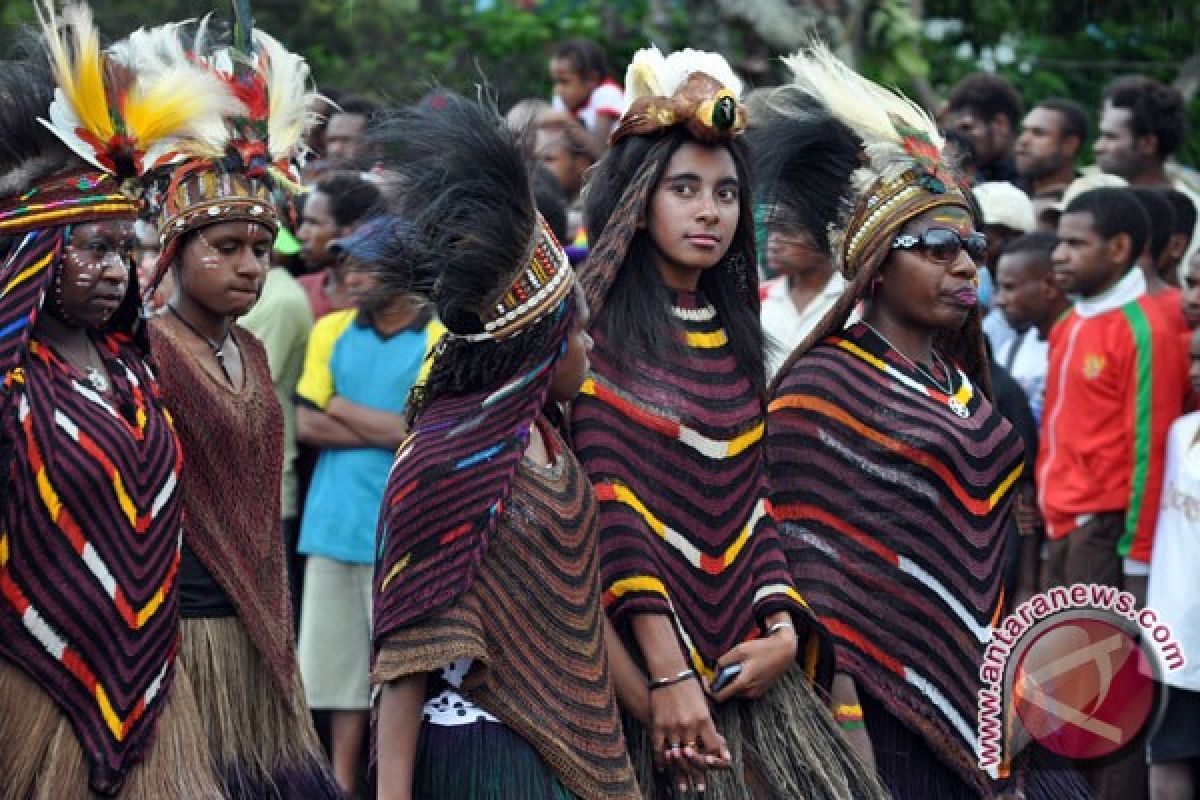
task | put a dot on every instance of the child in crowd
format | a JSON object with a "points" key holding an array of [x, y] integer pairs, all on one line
{"points": [[582, 86]]}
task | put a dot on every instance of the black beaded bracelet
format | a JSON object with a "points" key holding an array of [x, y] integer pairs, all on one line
{"points": [[659, 683]]}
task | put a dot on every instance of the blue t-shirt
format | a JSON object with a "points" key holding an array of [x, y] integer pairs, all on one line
{"points": [[348, 358]]}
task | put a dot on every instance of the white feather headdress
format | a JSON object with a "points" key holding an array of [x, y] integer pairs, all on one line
{"points": [[897, 134]]}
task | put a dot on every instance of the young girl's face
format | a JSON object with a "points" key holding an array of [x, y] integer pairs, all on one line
{"points": [[694, 210], [572, 88], [222, 267]]}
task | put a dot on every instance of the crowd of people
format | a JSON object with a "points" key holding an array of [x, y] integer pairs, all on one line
{"points": [[669, 440]]}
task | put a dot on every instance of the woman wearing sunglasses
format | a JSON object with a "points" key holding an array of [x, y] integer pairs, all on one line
{"points": [[891, 471]]}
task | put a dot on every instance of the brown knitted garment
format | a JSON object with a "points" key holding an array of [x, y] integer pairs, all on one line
{"points": [[233, 457], [533, 625]]}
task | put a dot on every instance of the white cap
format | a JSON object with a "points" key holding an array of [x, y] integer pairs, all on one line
{"points": [[1005, 204], [1087, 182]]}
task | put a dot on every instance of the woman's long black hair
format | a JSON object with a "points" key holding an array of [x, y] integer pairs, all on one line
{"points": [[637, 312]]}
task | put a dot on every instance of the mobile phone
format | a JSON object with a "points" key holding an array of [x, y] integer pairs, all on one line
{"points": [[724, 677]]}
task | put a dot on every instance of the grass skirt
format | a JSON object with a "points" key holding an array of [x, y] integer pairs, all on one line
{"points": [[263, 744], [481, 761], [785, 746], [41, 759]]}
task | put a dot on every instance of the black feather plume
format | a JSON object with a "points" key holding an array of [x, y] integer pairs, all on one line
{"points": [[463, 184], [29, 152], [803, 158]]}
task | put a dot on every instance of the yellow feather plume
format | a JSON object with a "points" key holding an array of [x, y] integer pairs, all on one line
{"points": [[78, 65]]}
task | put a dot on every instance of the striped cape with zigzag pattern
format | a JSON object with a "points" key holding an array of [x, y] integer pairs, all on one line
{"points": [[89, 528], [675, 451], [894, 508]]}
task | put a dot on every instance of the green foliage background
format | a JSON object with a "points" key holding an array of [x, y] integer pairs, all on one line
{"points": [[397, 49]]}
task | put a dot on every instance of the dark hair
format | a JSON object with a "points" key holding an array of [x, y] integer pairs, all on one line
{"points": [[353, 104], [1184, 208], [550, 201], [1038, 247], [587, 57], [1155, 109], [987, 95], [463, 183], [350, 197], [1161, 217], [1115, 211], [1075, 120], [29, 152], [803, 159], [637, 312]]}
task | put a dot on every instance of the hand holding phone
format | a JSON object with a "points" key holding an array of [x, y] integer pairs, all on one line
{"points": [[725, 676]]}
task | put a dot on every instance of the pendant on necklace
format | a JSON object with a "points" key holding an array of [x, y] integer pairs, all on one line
{"points": [[958, 407], [96, 378]]}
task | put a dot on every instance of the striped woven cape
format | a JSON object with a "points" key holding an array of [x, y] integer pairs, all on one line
{"points": [[533, 626], [89, 524], [675, 451], [895, 507], [449, 483]]}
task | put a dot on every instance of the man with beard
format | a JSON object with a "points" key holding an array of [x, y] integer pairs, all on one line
{"points": [[1052, 136], [986, 108], [1142, 123]]}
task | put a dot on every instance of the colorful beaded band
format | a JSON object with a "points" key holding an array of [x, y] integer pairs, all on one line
{"points": [[848, 717], [64, 200], [539, 288]]}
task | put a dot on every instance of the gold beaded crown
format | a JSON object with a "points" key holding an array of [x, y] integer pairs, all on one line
{"points": [[905, 170]]}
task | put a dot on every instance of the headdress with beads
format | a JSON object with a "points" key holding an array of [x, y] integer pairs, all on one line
{"points": [[905, 171], [501, 285], [258, 138], [79, 129]]}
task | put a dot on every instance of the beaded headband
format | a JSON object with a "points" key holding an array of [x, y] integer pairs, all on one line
{"points": [[886, 207], [201, 194], [537, 289], [73, 198]]}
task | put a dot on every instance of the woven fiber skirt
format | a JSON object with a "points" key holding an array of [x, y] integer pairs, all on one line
{"points": [[481, 761], [785, 746], [41, 759], [263, 744]]}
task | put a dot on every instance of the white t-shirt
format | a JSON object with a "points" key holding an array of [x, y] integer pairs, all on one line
{"points": [[450, 707], [1175, 564], [608, 98], [784, 326], [1025, 356]]}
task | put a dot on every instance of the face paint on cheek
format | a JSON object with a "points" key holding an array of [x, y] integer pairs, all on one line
{"points": [[207, 255]]}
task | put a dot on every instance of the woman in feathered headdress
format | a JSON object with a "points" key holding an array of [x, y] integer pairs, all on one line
{"points": [[890, 466], [669, 427], [217, 225], [490, 641], [92, 701]]}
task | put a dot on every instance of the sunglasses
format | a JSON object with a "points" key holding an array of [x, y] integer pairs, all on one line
{"points": [[943, 244]]}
